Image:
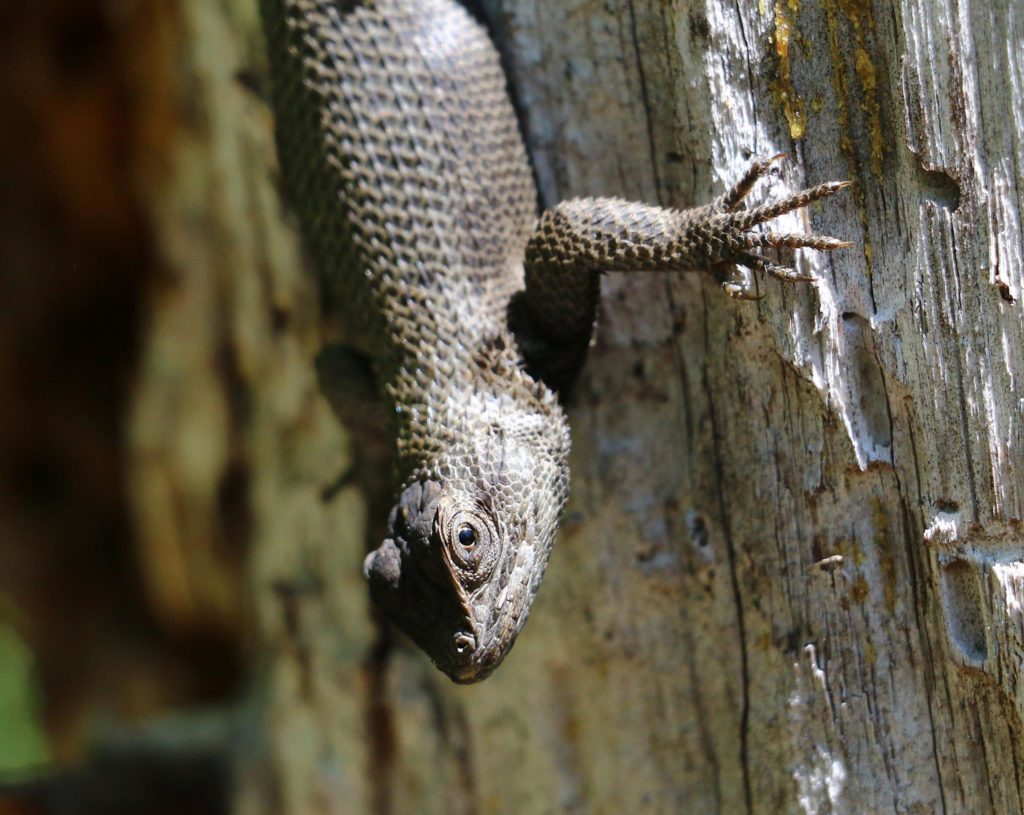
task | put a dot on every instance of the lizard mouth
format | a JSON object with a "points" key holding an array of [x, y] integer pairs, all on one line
{"points": [[470, 673]]}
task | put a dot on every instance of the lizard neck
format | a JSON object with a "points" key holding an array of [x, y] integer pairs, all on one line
{"points": [[464, 395]]}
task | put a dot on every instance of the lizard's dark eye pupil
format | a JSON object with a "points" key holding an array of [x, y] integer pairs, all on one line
{"points": [[467, 537]]}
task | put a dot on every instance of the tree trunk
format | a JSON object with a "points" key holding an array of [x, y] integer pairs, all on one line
{"points": [[790, 574]]}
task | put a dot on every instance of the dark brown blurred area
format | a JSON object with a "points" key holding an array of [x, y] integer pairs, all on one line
{"points": [[89, 99]]}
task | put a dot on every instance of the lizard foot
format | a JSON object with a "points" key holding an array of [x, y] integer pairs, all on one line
{"points": [[739, 222]]}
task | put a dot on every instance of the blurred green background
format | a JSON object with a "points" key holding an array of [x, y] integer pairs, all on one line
{"points": [[23, 745]]}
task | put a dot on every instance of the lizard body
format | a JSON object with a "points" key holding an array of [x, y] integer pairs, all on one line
{"points": [[404, 160]]}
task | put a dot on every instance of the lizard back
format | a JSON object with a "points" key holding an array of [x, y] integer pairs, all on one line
{"points": [[407, 167]]}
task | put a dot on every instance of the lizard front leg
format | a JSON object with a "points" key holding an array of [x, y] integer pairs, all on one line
{"points": [[578, 239]]}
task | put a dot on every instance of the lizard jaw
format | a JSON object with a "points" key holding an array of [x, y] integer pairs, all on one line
{"points": [[437, 620]]}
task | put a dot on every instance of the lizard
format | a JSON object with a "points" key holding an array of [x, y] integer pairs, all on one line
{"points": [[403, 157]]}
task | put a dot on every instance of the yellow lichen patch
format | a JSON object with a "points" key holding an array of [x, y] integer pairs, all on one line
{"points": [[886, 559], [792, 104], [860, 590], [838, 79], [868, 81], [859, 15], [860, 19]]}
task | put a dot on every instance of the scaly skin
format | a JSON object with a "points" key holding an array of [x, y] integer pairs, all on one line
{"points": [[404, 160]]}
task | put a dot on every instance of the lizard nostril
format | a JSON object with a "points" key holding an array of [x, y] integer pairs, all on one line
{"points": [[464, 644]]}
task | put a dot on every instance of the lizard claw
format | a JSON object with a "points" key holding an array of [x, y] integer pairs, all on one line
{"points": [[740, 291], [766, 212], [796, 240], [734, 285], [787, 274], [730, 201]]}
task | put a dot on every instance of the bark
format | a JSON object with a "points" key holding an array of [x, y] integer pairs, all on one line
{"points": [[790, 575]]}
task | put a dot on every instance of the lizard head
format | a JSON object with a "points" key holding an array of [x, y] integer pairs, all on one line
{"points": [[467, 549]]}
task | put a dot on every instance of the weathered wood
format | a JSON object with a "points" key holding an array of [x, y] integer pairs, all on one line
{"points": [[802, 518], [790, 575]]}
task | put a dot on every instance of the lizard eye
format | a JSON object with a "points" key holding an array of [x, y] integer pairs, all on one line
{"points": [[471, 544]]}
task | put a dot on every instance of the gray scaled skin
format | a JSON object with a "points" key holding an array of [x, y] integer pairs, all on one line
{"points": [[403, 157]]}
